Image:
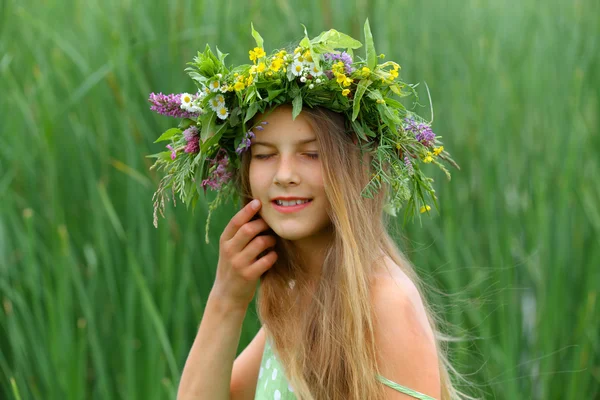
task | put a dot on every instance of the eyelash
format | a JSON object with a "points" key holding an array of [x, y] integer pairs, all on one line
{"points": [[265, 156]]}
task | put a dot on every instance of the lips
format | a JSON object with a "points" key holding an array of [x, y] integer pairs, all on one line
{"points": [[291, 208]]}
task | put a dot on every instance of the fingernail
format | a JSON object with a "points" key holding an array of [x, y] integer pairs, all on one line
{"points": [[255, 204]]}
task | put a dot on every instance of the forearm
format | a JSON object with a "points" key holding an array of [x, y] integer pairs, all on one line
{"points": [[207, 371]]}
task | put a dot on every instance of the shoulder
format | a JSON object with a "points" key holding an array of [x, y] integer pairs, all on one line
{"points": [[406, 348]]}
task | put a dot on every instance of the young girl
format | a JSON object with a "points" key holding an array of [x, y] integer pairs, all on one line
{"points": [[338, 301], [341, 308]]}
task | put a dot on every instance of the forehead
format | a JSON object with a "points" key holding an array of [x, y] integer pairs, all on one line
{"points": [[280, 128]]}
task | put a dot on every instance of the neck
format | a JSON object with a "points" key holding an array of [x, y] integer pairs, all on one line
{"points": [[312, 251]]}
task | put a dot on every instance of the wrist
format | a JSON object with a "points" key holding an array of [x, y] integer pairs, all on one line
{"points": [[225, 304]]}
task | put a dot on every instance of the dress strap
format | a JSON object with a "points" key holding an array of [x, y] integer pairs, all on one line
{"points": [[404, 389]]}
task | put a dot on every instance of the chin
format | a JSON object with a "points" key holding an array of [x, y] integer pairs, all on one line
{"points": [[291, 233]]}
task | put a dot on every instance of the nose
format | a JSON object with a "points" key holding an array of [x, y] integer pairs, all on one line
{"points": [[287, 172]]}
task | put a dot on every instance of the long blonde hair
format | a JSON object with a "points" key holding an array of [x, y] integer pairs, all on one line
{"points": [[327, 347]]}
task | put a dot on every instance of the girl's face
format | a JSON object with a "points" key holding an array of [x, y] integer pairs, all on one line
{"points": [[286, 163]]}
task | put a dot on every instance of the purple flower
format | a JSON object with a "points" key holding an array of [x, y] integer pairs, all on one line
{"points": [[335, 57], [422, 131], [245, 143], [219, 176], [169, 105], [173, 151], [192, 138], [190, 132], [193, 145]]}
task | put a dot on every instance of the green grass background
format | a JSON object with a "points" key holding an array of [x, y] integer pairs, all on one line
{"points": [[98, 304]]}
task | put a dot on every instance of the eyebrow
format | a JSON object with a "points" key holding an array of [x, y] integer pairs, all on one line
{"points": [[268, 144]]}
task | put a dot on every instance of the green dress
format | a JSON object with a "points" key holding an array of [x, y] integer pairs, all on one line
{"points": [[273, 385]]}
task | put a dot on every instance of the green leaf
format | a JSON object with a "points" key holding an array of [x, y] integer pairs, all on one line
{"points": [[212, 140], [221, 55], [332, 39], [251, 111], [208, 126], [360, 90], [370, 47], [186, 123], [394, 103], [222, 60], [257, 37], [168, 135], [305, 42], [273, 94], [163, 155], [359, 130], [296, 106]]}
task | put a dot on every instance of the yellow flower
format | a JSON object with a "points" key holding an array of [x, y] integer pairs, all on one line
{"points": [[348, 82], [345, 92], [281, 53], [438, 150], [340, 78], [260, 53], [394, 73], [261, 67], [256, 53], [307, 56], [297, 49], [249, 80], [276, 64], [425, 208], [366, 71], [428, 158], [338, 68], [398, 146], [239, 86]]}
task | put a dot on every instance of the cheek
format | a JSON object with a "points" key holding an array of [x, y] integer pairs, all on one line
{"points": [[256, 177]]}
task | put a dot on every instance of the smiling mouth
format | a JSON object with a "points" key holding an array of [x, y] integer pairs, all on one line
{"points": [[285, 203]]}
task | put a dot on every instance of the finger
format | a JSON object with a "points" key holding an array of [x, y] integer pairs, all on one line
{"points": [[248, 232], [261, 265], [239, 219], [255, 247]]}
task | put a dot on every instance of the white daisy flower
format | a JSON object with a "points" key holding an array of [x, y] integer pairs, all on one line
{"points": [[217, 102], [186, 101], [296, 68], [214, 104], [222, 112], [314, 71], [214, 86], [223, 88]]}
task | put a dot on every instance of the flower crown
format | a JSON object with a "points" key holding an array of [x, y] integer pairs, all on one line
{"points": [[206, 146]]}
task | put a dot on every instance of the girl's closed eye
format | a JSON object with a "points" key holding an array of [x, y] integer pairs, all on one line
{"points": [[313, 156]]}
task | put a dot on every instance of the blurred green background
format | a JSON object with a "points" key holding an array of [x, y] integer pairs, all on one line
{"points": [[98, 304]]}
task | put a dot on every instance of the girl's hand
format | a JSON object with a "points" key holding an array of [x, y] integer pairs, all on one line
{"points": [[238, 269]]}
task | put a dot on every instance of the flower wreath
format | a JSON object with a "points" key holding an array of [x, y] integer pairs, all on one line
{"points": [[206, 146]]}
